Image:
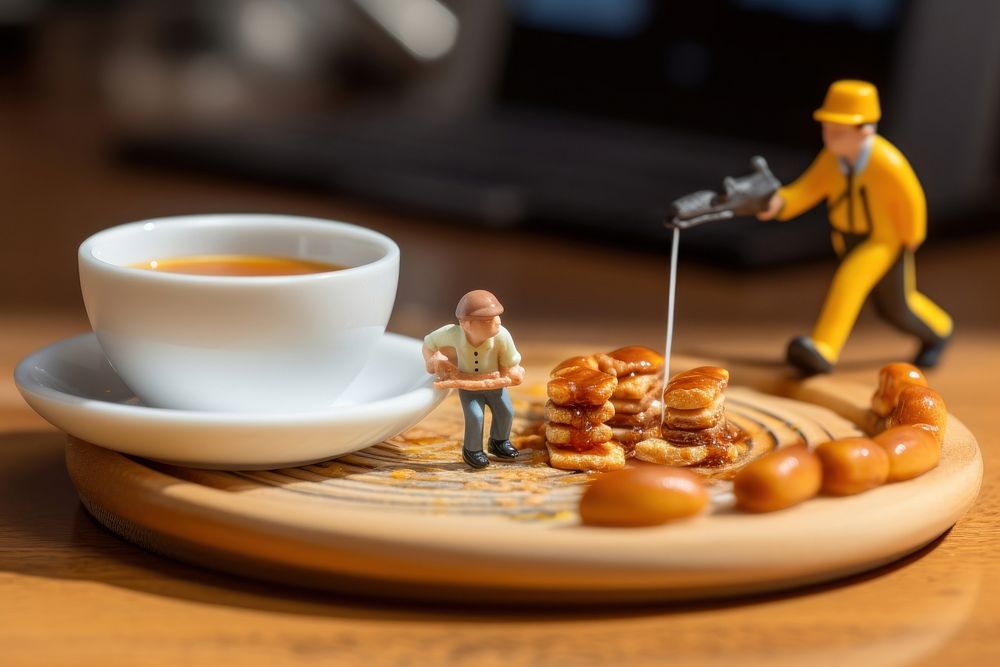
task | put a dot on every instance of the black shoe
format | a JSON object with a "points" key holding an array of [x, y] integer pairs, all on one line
{"points": [[503, 449], [475, 459], [802, 354], [930, 353]]}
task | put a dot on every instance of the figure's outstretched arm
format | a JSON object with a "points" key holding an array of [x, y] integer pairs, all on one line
{"points": [[804, 192]]}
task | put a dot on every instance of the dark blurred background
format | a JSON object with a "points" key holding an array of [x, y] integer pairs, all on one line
{"points": [[574, 118]]}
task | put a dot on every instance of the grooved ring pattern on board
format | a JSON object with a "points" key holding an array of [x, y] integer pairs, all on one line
{"points": [[422, 471]]}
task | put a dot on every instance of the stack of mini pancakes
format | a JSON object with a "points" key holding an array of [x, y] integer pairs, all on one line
{"points": [[694, 428], [636, 399], [601, 405], [578, 408], [605, 408]]}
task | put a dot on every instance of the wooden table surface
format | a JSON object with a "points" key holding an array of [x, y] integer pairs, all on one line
{"points": [[73, 593]]}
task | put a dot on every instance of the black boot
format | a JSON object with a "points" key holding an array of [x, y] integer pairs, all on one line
{"points": [[802, 354], [502, 449], [475, 459], [930, 353]]}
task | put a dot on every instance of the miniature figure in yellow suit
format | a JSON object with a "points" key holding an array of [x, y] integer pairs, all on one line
{"points": [[879, 217]]}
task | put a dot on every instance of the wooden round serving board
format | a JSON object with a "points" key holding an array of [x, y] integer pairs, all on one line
{"points": [[408, 518]]}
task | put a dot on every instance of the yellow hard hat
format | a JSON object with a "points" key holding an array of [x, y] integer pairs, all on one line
{"points": [[850, 102]]}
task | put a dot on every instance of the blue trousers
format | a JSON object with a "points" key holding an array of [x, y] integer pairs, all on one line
{"points": [[473, 403]]}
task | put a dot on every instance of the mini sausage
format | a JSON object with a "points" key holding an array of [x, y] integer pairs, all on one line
{"points": [[777, 480], [923, 407], [912, 451], [852, 465], [892, 379], [642, 496]]}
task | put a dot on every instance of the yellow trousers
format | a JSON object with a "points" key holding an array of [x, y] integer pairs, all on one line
{"points": [[887, 269]]}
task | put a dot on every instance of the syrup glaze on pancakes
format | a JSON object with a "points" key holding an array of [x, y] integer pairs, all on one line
{"points": [[629, 360], [694, 415], [579, 385], [576, 435]]}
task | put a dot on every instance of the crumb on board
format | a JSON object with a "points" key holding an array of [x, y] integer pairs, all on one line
{"points": [[431, 440], [334, 469], [535, 499], [540, 458], [532, 392], [533, 441]]}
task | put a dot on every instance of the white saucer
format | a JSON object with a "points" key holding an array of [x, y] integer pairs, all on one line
{"points": [[72, 385]]}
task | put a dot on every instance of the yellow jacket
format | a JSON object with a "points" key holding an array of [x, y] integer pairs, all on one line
{"points": [[883, 200]]}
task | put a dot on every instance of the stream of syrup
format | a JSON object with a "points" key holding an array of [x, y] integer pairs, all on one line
{"points": [[672, 292]]}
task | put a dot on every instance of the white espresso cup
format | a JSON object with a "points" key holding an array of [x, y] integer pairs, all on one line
{"points": [[284, 343]]}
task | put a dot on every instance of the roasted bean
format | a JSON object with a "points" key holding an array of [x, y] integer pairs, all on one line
{"points": [[912, 451], [642, 496], [852, 465], [777, 480]]}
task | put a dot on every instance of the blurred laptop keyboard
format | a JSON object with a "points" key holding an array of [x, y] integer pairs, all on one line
{"points": [[595, 179]]}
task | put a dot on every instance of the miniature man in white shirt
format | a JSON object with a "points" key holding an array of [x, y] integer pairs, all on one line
{"points": [[477, 356]]}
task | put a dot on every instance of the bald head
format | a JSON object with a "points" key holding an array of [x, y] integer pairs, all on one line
{"points": [[478, 305]]}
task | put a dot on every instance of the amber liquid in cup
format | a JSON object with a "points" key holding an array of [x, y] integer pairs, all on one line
{"points": [[237, 265]]}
